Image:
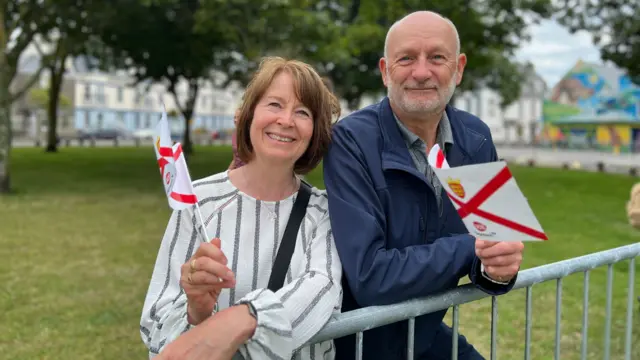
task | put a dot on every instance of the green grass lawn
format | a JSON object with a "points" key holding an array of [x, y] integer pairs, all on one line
{"points": [[79, 238]]}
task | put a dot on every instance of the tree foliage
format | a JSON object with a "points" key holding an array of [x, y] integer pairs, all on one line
{"points": [[490, 33], [74, 34], [157, 39], [614, 26], [344, 39], [21, 23], [40, 97]]}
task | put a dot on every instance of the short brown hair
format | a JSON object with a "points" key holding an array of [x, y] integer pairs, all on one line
{"points": [[310, 90]]}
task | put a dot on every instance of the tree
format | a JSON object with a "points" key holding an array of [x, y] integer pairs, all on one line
{"points": [[21, 22], [158, 40], [490, 33], [40, 97], [294, 29], [77, 22], [613, 25]]}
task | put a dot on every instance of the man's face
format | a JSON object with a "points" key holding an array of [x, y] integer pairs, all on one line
{"points": [[422, 69]]}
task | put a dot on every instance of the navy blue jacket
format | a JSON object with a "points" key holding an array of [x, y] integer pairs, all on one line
{"points": [[393, 242]]}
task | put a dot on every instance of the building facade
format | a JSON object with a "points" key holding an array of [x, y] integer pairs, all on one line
{"points": [[519, 122], [99, 100], [111, 101], [594, 106]]}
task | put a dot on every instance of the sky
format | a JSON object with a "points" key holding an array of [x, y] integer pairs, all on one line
{"points": [[553, 50]]}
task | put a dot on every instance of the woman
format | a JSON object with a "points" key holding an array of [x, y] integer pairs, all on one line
{"points": [[211, 301]]}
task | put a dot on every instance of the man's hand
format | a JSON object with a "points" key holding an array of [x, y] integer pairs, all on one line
{"points": [[501, 259], [216, 338]]}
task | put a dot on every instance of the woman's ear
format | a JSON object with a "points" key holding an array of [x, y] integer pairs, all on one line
{"points": [[235, 117]]}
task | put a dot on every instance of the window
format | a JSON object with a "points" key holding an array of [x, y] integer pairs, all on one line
{"points": [[87, 92], [100, 121], [120, 94]]}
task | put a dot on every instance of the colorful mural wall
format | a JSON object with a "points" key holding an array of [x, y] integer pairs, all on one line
{"points": [[594, 107]]}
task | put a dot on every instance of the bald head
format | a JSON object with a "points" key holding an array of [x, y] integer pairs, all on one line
{"points": [[421, 19]]}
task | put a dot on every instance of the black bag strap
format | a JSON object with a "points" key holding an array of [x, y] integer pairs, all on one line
{"points": [[283, 258]]}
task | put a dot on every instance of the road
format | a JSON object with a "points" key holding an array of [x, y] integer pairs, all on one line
{"points": [[578, 159]]}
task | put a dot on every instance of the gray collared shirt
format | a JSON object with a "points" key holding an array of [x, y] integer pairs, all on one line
{"points": [[418, 149]]}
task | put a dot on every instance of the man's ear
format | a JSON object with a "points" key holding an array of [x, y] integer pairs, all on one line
{"points": [[382, 66], [462, 62]]}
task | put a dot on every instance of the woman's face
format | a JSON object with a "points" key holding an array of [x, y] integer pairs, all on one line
{"points": [[282, 126]]}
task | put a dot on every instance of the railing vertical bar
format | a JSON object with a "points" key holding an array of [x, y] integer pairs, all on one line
{"points": [[494, 326], [630, 293], [585, 314], [454, 342], [558, 317], [607, 320], [411, 331], [359, 345], [527, 331]]}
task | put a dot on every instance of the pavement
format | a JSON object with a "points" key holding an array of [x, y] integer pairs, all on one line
{"points": [[573, 159]]}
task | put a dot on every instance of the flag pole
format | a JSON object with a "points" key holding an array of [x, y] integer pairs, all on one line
{"points": [[204, 228], [205, 237]]}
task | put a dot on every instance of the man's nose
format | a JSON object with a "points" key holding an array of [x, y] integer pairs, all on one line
{"points": [[422, 70]]}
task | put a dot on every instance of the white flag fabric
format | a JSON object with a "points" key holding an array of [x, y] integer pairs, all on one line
{"points": [[173, 168], [182, 194], [488, 200], [436, 158]]}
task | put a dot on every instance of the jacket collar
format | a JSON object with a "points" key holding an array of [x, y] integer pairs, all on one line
{"points": [[395, 154]]}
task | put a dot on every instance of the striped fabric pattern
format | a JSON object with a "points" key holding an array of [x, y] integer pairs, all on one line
{"points": [[250, 231]]}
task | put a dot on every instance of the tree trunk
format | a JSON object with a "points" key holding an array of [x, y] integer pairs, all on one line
{"points": [[187, 112], [187, 145], [5, 148], [55, 85], [5, 110]]}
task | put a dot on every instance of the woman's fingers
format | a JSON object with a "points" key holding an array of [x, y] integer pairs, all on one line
{"points": [[202, 278], [211, 250], [211, 266]]}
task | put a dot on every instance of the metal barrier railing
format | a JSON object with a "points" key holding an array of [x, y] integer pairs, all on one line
{"points": [[358, 321]]}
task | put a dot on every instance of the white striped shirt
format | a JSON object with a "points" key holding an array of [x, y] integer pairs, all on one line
{"points": [[250, 231]]}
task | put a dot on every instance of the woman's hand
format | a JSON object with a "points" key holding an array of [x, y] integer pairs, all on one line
{"points": [[202, 278]]}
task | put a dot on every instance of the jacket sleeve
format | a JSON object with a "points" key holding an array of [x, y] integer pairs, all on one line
{"points": [[376, 274], [288, 318]]}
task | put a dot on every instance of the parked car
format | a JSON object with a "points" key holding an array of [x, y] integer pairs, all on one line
{"points": [[103, 134], [143, 134]]}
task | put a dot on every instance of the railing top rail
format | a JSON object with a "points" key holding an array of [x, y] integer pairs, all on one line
{"points": [[374, 316]]}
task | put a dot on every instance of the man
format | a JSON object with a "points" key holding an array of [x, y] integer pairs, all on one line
{"points": [[398, 236]]}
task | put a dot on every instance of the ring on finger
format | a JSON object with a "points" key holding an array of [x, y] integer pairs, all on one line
{"points": [[193, 265]]}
